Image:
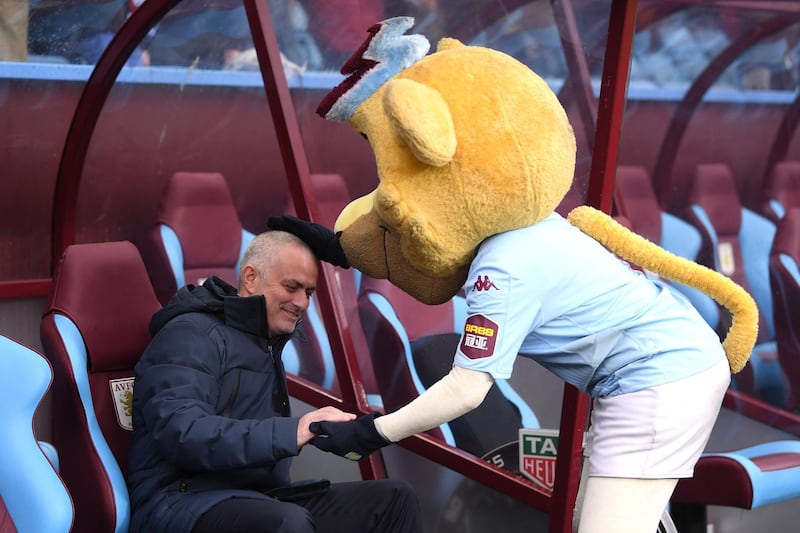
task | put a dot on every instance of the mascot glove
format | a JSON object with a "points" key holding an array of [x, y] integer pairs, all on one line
{"points": [[322, 241], [352, 440]]}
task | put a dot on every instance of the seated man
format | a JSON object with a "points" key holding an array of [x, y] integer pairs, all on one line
{"points": [[213, 437]]}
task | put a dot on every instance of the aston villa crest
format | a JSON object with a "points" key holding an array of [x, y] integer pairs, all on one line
{"points": [[122, 393]]}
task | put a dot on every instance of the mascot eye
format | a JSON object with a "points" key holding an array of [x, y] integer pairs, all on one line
{"points": [[364, 135]]}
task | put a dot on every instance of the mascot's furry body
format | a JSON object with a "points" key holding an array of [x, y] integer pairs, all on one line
{"points": [[474, 153]]}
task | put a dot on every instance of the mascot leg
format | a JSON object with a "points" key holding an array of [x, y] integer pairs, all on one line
{"points": [[620, 505]]}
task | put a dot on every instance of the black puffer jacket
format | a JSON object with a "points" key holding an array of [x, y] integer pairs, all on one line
{"points": [[210, 409]]}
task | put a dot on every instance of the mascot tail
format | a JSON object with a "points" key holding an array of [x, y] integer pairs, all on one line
{"points": [[741, 336]]}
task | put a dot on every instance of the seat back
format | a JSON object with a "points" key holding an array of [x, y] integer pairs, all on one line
{"points": [[636, 201], [412, 347], [784, 271], [737, 243], [782, 189], [94, 329], [197, 233], [738, 240], [32, 492]]}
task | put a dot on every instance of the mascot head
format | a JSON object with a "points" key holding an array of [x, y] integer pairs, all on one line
{"points": [[468, 141]]}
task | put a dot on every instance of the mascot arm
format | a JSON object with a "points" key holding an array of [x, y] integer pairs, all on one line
{"points": [[459, 392]]}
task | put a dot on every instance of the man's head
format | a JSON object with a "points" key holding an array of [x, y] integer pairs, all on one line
{"points": [[283, 269]]}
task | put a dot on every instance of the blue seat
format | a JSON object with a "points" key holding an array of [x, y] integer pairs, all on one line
{"points": [[93, 341], [31, 489], [413, 345], [737, 243]]}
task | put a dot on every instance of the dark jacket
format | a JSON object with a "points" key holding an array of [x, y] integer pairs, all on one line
{"points": [[210, 409]]}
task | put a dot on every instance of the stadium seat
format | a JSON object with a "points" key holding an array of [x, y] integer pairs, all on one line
{"points": [[747, 478], [784, 264], [635, 199], [412, 347], [94, 328], [737, 243], [197, 234], [782, 190], [33, 497]]}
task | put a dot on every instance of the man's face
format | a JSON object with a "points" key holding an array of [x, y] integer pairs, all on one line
{"points": [[287, 287]]}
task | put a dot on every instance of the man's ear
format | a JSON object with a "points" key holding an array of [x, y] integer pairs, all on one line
{"points": [[249, 278]]}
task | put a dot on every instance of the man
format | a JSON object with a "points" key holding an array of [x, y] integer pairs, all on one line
{"points": [[213, 437]]}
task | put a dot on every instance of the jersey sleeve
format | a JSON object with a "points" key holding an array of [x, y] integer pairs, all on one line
{"points": [[502, 309]]}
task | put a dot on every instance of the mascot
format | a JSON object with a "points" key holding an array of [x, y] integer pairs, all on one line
{"points": [[474, 154]]}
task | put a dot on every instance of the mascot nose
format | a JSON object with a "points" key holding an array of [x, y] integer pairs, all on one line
{"points": [[353, 211]]}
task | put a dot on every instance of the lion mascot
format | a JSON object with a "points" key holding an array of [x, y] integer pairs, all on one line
{"points": [[474, 153]]}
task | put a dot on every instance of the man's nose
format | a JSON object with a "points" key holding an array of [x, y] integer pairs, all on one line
{"points": [[303, 301]]}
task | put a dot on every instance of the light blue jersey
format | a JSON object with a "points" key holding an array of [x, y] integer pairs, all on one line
{"points": [[554, 294]]}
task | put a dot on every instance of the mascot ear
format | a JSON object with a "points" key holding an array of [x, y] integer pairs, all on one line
{"points": [[421, 117]]}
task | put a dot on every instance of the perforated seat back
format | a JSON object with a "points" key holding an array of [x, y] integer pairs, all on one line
{"points": [[197, 234], [94, 329], [32, 492]]}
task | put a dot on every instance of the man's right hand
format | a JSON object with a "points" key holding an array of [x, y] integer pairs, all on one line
{"points": [[326, 414]]}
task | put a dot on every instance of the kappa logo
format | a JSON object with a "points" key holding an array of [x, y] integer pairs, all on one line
{"points": [[122, 394], [483, 283]]}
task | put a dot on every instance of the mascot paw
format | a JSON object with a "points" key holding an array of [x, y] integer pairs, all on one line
{"points": [[353, 440], [322, 241]]}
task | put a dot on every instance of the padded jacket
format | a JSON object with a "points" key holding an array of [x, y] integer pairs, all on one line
{"points": [[211, 413]]}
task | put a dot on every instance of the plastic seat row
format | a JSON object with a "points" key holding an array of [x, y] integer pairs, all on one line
{"points": [[720, 232], [743, 245]]}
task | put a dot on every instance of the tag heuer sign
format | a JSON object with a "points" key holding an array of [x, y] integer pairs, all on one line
{"points": [[537, 455], [122, 394]]}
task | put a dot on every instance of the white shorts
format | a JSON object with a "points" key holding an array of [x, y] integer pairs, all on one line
{"points": [[658, 432]]}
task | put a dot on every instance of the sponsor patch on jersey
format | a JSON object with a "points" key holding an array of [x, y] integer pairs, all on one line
{"points": [[480, 336]]}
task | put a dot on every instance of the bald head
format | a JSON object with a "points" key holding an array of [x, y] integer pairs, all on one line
{"points": [[265, 249]]}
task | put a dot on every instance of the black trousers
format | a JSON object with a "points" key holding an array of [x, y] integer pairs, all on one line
{"points": [[381, 506]]}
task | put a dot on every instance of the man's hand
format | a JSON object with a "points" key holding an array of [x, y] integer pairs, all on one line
{"points": [[328, 414], [352, 440], [322, 241]]}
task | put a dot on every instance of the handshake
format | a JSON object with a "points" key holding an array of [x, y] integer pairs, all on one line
{"points": [[352, 440]]}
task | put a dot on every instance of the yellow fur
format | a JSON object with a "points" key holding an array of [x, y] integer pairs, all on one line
{"points": [[469, 143]]}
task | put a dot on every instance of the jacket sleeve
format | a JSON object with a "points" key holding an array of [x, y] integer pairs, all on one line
{"points": [[176, 388]]}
